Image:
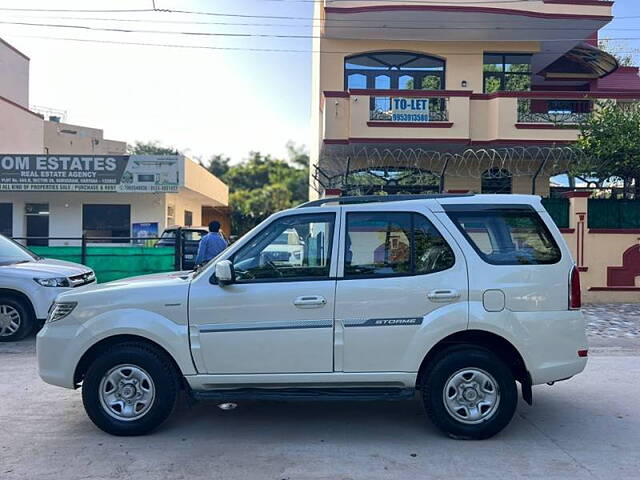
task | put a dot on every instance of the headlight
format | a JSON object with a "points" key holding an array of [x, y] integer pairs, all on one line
{"points": [[60, 310], [53, 282]]}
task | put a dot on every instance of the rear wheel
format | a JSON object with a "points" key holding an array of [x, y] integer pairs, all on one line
{"points": [[469, 392], [16, 319], [130, 389]]}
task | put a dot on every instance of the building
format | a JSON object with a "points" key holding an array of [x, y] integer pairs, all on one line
{"points": [[26, 130], [63, 180], [114, 197], [430, 96]]}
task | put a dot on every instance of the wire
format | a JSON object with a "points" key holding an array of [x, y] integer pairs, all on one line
{"points": [[386, 25], [248, 49], [219, 14], [243, 35]]}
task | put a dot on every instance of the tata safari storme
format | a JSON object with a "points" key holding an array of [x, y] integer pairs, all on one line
{"points": [[456, 298]]}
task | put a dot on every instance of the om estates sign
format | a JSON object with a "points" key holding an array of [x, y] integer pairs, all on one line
{"points": [[91, 173]]}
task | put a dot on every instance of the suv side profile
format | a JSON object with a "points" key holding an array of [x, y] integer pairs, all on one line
{"points": [[457, 298]]}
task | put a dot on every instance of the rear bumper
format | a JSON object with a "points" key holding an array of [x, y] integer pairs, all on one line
{"points": [[553, 345]]}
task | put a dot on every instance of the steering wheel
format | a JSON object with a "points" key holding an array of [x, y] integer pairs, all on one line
{"points": [[273, 267]]}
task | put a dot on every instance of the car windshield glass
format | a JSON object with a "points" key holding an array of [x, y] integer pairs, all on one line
{"points": [[11, 252]]}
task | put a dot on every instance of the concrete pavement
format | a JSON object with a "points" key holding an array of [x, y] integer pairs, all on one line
{"points": [[587, 427]]}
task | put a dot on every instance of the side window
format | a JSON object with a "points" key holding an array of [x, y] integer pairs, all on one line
{"points": [[393, 243], [507, 236], [378, 244], [295, 247], [433, 253]]}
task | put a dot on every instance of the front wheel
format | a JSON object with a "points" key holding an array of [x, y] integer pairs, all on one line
{"points": [[130, 389], [16, 319], [469, 393]]}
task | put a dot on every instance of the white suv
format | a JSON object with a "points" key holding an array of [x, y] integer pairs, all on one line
{"points": [[28, 286], [454, 297]]}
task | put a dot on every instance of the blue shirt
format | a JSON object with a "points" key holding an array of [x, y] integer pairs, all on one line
{"points": [[210, 246]]}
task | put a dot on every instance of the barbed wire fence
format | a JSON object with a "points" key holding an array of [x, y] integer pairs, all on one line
{"points": [[349, 167]]}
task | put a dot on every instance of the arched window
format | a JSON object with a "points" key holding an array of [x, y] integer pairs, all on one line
{"points": [[404, 70], [496, 180]]}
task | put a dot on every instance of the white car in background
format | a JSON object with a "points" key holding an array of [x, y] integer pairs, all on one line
{"points": [[28, 286]]}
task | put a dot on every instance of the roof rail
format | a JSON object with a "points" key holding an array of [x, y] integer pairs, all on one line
{"points": [[379, 199]]}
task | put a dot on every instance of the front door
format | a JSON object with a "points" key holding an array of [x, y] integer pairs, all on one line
{"points": [[278, 315], [37, 219], [402, 280]]}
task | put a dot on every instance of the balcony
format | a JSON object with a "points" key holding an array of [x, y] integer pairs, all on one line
{"points": [[444, 118], [554, 112], [361, 116]]}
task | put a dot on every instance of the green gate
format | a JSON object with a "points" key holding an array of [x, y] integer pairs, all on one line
{"points": [[614, 214], [558, 209]]}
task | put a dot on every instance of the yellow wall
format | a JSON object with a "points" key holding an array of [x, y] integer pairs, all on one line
{"points": [[199, 180], [20, 131], [464, 60], [531, 6], [601, 250], [64, 138]]}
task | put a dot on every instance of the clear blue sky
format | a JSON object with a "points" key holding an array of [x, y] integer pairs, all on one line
{"points": [[202, 101]]}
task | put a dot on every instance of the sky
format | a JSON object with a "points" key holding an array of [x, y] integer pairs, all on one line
{"points": [[201, 101]]}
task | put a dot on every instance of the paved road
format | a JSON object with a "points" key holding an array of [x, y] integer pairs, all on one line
{"points": [[587, 427]]}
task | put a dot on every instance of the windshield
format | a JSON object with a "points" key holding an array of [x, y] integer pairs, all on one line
{"points": [[11, 252]]}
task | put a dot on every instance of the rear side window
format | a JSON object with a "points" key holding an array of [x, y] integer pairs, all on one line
{"points": [[507, 236], [382, 244]]}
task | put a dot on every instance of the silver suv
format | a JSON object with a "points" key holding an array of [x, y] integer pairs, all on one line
{"points": [[454, 298]]}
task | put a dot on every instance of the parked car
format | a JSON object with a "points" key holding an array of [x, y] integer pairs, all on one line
{"points": [[28, 286], [191, 237], [456, 298]]}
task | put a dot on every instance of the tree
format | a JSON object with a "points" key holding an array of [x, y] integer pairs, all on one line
{"points": [[262, 185], [625, 55], [218, 165], [150, 148], [610, 142]]}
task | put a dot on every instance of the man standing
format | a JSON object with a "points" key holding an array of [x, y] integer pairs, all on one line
{"points": [[211, 244]]}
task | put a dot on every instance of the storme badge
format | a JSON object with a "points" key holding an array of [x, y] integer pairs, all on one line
{"points": [[81, 173]]}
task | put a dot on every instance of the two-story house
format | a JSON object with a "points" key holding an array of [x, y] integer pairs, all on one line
{"points": [[419, 96]]}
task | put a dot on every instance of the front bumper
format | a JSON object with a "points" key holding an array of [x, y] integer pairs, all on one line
{"points": [[57, 357]]}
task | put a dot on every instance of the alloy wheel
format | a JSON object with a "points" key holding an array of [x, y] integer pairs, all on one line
{"points": [[10, 320]]}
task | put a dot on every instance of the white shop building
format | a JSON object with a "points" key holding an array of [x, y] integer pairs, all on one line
{"points": [[117, 196]]}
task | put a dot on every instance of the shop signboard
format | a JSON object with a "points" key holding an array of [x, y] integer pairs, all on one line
{"points": [[92, 173], [409, 109]]}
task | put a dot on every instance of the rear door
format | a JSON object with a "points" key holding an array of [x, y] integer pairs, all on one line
{"points": [[518, 265], [401, 277]]}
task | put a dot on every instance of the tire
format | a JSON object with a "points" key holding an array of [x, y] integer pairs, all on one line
{"points": [[130, 389], [17, 319], [469, 393]]}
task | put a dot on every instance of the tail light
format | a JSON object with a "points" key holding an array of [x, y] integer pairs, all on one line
{"points": [[575, 299]]}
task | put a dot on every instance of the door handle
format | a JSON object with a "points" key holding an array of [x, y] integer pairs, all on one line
{"points": [[443, 295], [310, 301]]}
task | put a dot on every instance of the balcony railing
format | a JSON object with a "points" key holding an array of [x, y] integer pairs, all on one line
{"points": [[409, 110], [556, 111]]}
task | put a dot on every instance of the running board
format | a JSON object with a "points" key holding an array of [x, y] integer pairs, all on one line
{"points": [[306, 394]]}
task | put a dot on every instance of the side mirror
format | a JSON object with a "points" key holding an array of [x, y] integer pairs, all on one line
{"points": [[225, 274]]}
